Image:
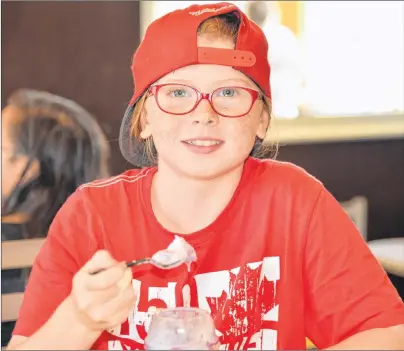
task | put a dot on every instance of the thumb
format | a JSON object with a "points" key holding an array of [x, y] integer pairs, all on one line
{"points": [[126, 280], [101, 260]]}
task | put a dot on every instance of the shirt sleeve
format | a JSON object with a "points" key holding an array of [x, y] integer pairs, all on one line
{"points": [[68, 246], [347, 290]]}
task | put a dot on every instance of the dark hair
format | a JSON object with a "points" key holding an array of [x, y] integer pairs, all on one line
{"points": [[69, 146]]}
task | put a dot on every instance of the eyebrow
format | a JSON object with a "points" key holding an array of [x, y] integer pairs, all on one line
{"points": [[220, 82], [239, 80], [179, 81]]}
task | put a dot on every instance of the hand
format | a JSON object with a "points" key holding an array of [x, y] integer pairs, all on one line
{"points": [[105, 299]]}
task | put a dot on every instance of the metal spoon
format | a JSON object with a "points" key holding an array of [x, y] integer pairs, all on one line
{"points": [[177, 253], [148, 260], [154, 263]]}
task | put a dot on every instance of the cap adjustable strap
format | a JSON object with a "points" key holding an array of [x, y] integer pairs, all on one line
{"points": [[226, 57]]}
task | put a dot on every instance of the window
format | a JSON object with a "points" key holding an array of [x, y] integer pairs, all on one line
{"points": [[353, 57]]}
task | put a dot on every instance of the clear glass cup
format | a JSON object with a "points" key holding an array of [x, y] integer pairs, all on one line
{"points": [[182, 328]]}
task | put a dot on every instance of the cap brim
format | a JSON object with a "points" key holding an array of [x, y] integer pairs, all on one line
{"points": [[133, 150]]}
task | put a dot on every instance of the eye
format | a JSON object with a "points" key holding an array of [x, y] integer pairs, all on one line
{"points": [[178, 92], [227, 92]]}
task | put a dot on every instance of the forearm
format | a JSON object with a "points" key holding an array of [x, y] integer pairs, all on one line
{"points": [[375, 339], [63, 331]]}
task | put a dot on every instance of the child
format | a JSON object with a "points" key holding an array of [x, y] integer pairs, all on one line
{"points": [[278, 259]]}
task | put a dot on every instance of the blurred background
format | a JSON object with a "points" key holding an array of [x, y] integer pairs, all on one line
{"points": [[337, 77], [338, 97]]}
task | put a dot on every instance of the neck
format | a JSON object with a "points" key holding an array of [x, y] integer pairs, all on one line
{"points": [[185, 205]]}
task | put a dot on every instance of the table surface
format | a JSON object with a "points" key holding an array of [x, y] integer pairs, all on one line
{"points": [[392, 249], [390, 253]]}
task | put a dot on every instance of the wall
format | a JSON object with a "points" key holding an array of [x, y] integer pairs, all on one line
{"points": [[80, 50], [374, 169]]}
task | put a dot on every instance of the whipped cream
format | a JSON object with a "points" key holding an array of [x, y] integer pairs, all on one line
{"points": [[176, 254]]}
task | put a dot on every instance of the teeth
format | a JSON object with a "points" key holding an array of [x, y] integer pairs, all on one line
{"points": [[203, 142]]}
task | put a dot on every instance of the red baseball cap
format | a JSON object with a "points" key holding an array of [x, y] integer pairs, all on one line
{"points": [[170, 43]]}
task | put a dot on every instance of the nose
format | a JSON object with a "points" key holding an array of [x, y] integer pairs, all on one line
{"points": [[204, 113]]}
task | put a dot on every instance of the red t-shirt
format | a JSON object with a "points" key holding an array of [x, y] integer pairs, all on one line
{"points": [[282, 262]]}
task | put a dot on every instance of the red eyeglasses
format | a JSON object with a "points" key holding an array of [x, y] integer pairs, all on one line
{"points": [[180, 99]]}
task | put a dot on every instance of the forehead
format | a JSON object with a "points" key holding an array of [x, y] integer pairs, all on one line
{"points": [[9, 118], [208, 76]]}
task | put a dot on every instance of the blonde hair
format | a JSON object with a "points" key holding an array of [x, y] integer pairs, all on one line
{"points": [[222, 26]]}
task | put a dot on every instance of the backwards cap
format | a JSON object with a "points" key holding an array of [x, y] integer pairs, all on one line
{"points": [[170, 43]]}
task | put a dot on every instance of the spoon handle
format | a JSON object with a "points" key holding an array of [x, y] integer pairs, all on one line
{"points": [[129, 264], [138, 262]]}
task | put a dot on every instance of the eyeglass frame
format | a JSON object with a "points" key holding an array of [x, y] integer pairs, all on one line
{"points": [[255, 95]]}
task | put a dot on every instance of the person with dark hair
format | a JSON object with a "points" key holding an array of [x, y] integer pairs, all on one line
{"points": [[50, 146]]}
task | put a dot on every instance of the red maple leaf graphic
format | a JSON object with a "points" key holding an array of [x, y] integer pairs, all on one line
{"points": [[239, 314]]}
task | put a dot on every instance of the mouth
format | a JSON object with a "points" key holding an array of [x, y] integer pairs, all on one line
{"points": [[199, 142], [203, 146]]}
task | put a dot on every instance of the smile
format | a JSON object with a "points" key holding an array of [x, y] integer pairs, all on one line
{"points": [[203, 146], [203, 142]]}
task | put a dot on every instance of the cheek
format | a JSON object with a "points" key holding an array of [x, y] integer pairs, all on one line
{"points": [[164, 128], [11, 172], [243, 130]]}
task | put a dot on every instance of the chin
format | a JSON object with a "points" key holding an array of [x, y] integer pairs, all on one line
{"points": [[208, 170]]}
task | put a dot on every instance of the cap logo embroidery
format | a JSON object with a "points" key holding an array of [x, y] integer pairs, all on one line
{"points": [[200, 12]]}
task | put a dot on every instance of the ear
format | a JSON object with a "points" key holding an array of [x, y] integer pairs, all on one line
{"points": [[146, 128], [146, 132], [264, 123]]}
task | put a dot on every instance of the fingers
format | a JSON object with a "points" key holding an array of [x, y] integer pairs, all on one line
{"points": [[107, 278], [126, 280], [112, 311], [110, 272], [101, 260], [106, 298], [117, 310]]}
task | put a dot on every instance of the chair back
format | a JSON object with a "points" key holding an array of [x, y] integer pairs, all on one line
{"points": [[16, 254]]}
